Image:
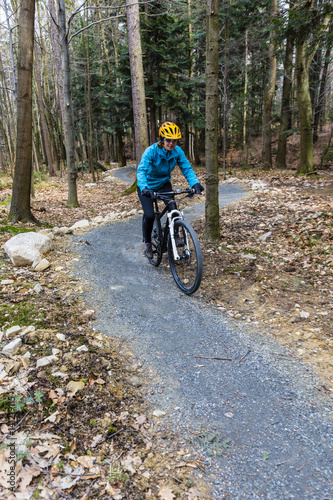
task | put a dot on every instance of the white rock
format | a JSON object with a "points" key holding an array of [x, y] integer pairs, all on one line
{"points": [[132, 212], [89, 313], [7, 282], [81, 224], [27, 248], [55, 351], [61, 231], [42, 265], [27, 329], [47, 360], [38, 288], [61, 336], [90, 184], [248, 256], [82, 348], [111, 216], [98, 219], [13, 330], [59, 374], [159, 413], [13, 346], [59, 268], [304, 314], [265, 236]]}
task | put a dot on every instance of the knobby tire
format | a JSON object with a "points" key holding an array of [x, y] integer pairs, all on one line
{"points": [[187, 272], [156, 240]]}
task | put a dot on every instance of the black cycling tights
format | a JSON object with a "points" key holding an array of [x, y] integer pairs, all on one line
{"points": [[148, 211]]}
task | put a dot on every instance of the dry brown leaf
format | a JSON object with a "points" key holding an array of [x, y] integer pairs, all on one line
{"points": [[193, 493], [166, 494]]}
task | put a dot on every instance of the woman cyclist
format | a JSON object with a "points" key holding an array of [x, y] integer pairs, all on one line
{"points": [[154, 175]]}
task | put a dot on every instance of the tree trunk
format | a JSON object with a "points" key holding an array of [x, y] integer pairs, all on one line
{"points": [[20, 209], [245, 89], [226, 92], [319, 109], [285, 117], [212, 179], [72, 200], [268, 101], [304, 57], [57, 58], [306, 164], [42, 115], [137, 79]]}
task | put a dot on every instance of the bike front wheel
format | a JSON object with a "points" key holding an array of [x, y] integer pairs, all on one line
{"points": [[156, 240], [187, 268]]}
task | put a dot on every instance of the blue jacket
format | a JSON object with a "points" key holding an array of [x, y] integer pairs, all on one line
{"points": [[156, 165]]}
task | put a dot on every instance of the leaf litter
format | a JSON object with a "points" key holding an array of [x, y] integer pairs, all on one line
{"points": [[81, 428]]}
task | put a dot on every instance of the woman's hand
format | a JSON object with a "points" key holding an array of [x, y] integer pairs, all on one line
{"points": [[198, 188], [148, 193]]}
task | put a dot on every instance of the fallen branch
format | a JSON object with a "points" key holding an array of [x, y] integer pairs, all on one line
{"points": [[244, 356], [213, 357]]}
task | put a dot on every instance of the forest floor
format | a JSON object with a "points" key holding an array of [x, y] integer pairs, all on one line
{"points": [[272, 268]]}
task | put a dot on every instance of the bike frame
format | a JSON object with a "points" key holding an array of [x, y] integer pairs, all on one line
{"points": [[173, 214]]}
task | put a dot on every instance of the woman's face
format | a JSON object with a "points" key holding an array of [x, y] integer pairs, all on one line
{"points": [[169, 144]]}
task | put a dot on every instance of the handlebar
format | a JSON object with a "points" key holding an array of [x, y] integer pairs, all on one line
{"points": [[159, 196]]}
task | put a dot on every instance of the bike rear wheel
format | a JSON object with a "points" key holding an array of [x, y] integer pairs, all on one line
{"points": [[156, 241], [187, 270]]}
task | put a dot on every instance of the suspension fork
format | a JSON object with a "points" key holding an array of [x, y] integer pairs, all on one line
{"points": [[174, 215]]}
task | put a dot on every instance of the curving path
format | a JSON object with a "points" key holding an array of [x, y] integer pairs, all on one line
{"points": [[258, 420]]}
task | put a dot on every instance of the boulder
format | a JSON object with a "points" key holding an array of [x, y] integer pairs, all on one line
{"points": [[27, 248]]}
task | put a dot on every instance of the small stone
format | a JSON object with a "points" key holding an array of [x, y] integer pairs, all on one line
{"points": [[98, 219], [38, 288], [81, 224], [28, 329], [89, 313], [135, 381], [59, 374], [55, 351], [304, 314], [47, 360], [82, 348], [159, 413], [13, 346], [59, 268], [7, 282], [229, 414], [43, 265], [61, 336], [265, 236], [12, 330]]}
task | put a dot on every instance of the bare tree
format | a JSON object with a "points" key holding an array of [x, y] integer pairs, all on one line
{"points": [[212, 178], [72, 200], [137, 79], [269, 95], [20, 209]]}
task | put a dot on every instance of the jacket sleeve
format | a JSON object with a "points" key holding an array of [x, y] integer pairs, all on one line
{"points": [[141, 173], [186, 169]]}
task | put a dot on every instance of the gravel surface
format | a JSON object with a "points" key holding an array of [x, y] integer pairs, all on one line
{"points": [[256, 419]]}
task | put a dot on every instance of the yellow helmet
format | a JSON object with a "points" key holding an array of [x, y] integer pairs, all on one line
{"points": [[169, 130]]}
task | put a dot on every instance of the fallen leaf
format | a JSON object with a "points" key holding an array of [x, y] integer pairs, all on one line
{"points": [[74, 387], [193, 494], [166, 494], [87, 461]]}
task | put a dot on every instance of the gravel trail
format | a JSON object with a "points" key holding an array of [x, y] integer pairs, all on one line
{"points": [[256, 418]]}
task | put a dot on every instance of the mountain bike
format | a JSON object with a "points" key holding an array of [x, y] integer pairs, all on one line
{"points": [[176, 236]]}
